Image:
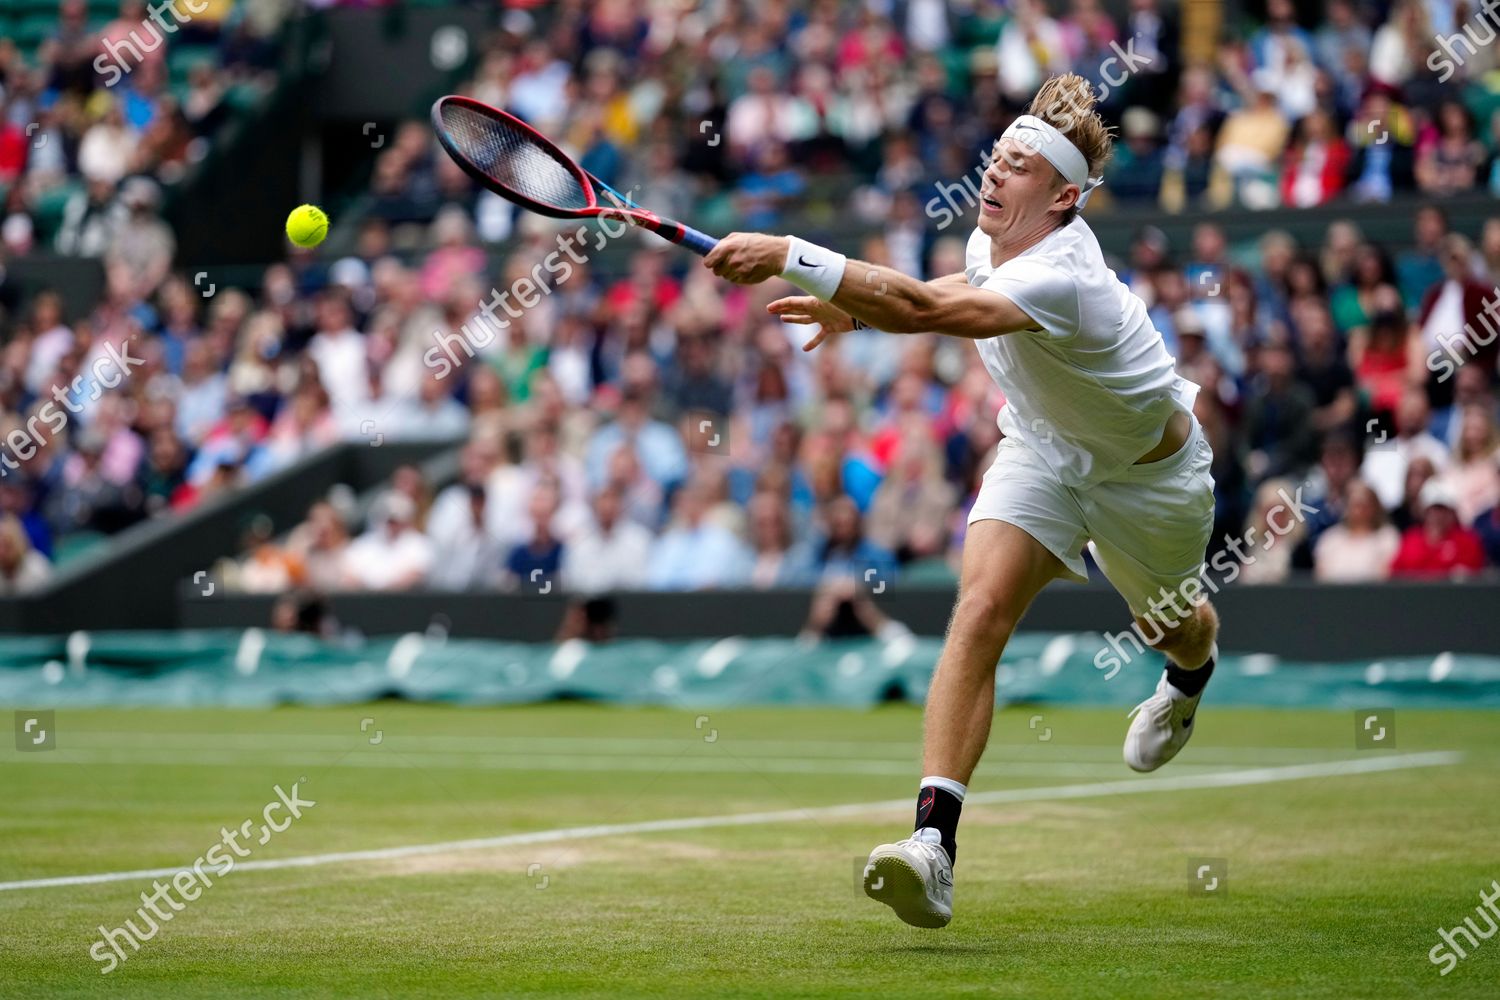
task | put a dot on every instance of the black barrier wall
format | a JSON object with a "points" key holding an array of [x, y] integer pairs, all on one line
{"points": [[1297, 620]]}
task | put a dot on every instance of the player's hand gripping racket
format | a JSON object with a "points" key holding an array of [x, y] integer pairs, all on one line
{"points": [[517, 162]]}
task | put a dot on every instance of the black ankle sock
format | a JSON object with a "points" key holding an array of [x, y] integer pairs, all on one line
{"points": [[1189, 682], [939, 809]]}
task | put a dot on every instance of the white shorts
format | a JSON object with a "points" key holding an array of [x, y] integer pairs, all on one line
{"points": [[1148, 527]]}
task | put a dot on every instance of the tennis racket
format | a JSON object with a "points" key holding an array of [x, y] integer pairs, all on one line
{"points": [[514, 160]]}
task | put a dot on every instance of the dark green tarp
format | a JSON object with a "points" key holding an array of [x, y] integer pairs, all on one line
{"points": [[254, 667]]}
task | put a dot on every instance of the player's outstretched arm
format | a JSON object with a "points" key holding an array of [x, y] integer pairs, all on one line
{"points": [[877, 296]]}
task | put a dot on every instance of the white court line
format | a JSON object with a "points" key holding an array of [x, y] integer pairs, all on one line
{"points": [[1225, 779], [802, 749], [684, 763]]}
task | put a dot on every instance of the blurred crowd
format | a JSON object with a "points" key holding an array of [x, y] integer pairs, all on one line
{"points": [[744, 111], [642, 424], [659, 430], [103, 112]]}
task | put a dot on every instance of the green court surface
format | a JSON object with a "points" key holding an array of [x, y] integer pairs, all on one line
{"points": [[579, 850]]}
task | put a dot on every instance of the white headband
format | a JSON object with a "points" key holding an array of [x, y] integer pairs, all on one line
{"points": [[1036, 134]]}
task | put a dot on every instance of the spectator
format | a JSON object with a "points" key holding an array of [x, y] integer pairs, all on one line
{"points": [[1401, 44], [267, 568], [142, 245], [1487, 527], [23, 570], [1409, 512], [1381, 137], [1323, 369], [338, 350], [1249, 147], [694, 553], [1456, 323], [466, 554], [1272, 533], [319, 543], [1449, 162], [1328, 491], [1474, 476], [1360, 548], [779, 560], [433, 416], [1342, 44], [842, 609], [1421, 267], [393, 554], [304, 612], [108, 147], [1383, 360], [1137, 168], [611, 553], [1439, 546], [1471, 387], [1386, 464], [641, 495], [1279, 417], [203, 393], [1368, 288], [304, 425], [535, 564], [844, 549], [163, 475], [1030, 49], [1316, 163], [657, 445], [906, 516], [234, 441], [693, 385]]}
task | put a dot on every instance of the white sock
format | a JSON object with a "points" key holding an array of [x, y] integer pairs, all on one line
{"points": [[946, 784]]}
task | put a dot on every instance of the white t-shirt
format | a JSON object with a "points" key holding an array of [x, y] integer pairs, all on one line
{"points": [[379, 563], [1090, 390]]}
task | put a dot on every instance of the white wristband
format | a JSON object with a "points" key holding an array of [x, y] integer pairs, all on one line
{"points": [[814, 269]]}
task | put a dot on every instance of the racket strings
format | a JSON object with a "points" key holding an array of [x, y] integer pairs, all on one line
{"points": [[512, 159]]}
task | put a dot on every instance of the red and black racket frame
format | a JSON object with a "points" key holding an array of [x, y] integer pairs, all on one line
{"points": [[668, 229]]}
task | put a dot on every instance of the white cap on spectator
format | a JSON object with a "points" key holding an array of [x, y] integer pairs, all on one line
{"points": [[1189, 323], [398, 507], [16, 233], [1437, 493], [141, 191], [349, 272]]}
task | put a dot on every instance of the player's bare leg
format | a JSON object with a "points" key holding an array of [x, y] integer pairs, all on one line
{"points": [[1004, 569], [1162, 724]]}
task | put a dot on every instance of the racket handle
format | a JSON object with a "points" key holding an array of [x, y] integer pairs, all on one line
{"points": [[699, 243]]}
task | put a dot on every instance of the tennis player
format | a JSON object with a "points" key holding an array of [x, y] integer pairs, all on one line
{"points": [[1100, 449]]}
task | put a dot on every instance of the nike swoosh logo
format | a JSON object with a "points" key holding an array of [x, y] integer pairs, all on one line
{"points": [[945, 878], [805, 262]]}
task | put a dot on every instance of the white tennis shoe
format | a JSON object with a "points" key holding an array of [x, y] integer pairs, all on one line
{"points": [[914, 877], [1161, 726]]}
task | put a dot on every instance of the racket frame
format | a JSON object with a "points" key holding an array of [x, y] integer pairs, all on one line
{"points": [[668, 229]]}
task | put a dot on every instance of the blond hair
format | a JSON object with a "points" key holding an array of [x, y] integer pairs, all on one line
{"points": [[1067, 104]]}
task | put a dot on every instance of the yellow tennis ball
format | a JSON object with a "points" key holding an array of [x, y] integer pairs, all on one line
{"points": [[307, 225]]}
